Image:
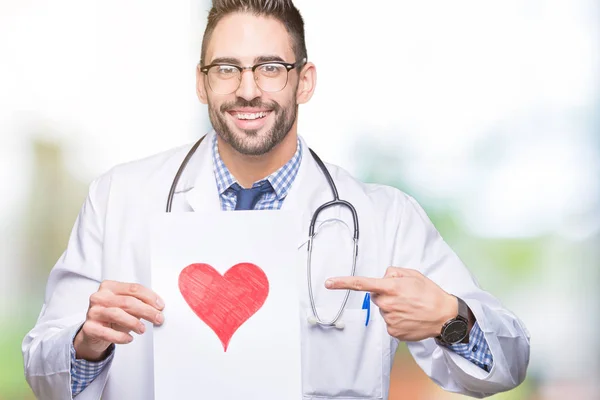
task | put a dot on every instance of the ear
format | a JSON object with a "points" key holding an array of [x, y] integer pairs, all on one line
{"points": [[201, 86], [307, 83]]}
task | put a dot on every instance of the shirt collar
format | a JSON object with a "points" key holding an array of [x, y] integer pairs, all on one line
{"points": [[281, 180]]}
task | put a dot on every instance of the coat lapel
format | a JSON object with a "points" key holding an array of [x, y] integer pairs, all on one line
{"points": [[308, 191], [198, 185]]}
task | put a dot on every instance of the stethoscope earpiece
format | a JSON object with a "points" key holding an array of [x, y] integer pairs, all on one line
{"points": [[313, 321], [340, 325]]}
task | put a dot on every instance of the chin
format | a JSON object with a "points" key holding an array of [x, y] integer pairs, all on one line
{"points": [[251, 134]]}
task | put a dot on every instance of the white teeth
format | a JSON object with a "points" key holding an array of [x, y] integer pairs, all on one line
{"points": [[251, 115]]}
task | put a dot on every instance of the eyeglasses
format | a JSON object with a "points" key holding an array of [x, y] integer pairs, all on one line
{"points": [[271, 76]]}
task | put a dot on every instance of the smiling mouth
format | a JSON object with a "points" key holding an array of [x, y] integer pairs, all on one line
{"points": [[249, 116]]}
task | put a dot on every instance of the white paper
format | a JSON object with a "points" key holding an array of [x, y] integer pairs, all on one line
{"points": [[262, 358]]}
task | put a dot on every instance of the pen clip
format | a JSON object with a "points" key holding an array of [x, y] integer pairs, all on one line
{"points": [[367, 306]]}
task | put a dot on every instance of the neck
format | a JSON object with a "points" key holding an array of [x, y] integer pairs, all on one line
{"points": [[249, 169]]}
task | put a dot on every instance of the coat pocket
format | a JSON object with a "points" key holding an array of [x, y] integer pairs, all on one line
{"points": [[342, 363]]}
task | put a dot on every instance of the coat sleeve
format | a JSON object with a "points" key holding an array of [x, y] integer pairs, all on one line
{"points": [[418, 245], [76, 275]]}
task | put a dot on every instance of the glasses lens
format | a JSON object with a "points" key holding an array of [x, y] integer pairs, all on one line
{"points": [[271, 77], [224, 79]]}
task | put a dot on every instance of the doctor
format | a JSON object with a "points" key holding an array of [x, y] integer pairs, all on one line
{"points": [[253, 75]]}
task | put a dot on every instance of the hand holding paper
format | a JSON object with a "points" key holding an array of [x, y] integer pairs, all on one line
{"points": [[114, 311]]}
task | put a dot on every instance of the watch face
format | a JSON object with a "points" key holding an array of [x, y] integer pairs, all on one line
{"points": [[455, 331]]}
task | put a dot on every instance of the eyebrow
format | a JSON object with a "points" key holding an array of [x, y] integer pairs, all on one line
{"points": [[236, 61]]}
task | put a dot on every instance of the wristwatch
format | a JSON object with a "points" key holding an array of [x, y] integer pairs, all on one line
{"points": [[456, 329]]}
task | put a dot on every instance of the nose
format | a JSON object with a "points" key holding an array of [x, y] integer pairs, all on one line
{"points": [[248, 88]]}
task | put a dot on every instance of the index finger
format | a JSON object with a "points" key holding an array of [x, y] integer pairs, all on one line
{"points": [[360, 283], [134, 290]]}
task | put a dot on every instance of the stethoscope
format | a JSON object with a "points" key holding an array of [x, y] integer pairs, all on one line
{"points": [[313, 319]]}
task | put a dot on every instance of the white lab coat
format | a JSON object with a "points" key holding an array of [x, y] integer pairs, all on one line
{"points": [[110, 241]]}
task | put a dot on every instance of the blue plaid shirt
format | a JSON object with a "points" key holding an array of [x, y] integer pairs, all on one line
{"points": [[84, 372], [281, 181]]}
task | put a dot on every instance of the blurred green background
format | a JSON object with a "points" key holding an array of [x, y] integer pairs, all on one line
{"points": [[486, 112]]}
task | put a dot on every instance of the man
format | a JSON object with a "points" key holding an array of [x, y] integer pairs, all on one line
{"points": [[253, 74]]}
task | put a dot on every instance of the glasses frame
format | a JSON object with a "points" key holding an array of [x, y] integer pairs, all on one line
{"points": [[288, 67]]}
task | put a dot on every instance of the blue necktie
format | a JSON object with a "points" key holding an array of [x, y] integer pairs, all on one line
{"points": [[247, 198]]}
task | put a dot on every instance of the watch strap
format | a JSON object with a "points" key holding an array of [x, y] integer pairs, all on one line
{"points": [[463, 309]]}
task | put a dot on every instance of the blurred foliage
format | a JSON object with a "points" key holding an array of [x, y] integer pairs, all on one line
{"points": [[12, 381], [55, 198]]}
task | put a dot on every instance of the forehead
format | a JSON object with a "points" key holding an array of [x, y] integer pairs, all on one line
{"points": [[245, 36]]}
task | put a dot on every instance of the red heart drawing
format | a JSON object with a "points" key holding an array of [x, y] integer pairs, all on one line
{"points": [[224, 302]]}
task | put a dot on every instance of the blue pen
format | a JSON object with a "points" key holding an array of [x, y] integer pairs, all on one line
{"points": [[367, 306]]}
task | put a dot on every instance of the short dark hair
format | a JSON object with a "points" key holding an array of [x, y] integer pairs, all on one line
{"points": [[282, 10]]}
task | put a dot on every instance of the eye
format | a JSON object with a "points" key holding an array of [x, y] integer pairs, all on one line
{"points": [[271, 70], [225, 70]]}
